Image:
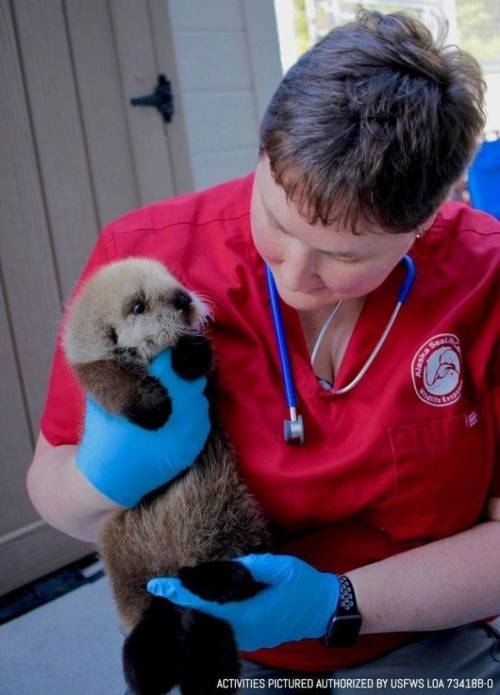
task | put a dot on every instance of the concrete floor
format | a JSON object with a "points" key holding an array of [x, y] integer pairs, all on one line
{"points": [[69, 646]]}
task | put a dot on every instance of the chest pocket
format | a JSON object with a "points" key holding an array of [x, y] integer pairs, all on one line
{"points": [[442, 468]]}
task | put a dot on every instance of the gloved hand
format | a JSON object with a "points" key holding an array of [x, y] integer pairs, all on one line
{"points": [[298, 604], [125, 461]]}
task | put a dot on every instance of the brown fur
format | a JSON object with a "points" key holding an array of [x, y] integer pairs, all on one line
{"points": [[207, 512], [112, 383]]}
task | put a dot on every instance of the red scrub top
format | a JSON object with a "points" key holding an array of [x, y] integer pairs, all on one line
{"points": [[405, 458]]}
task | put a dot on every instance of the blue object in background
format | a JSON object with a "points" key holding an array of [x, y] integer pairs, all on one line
{"points": [[484, 178]]}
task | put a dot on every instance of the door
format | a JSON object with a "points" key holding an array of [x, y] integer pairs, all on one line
{"points": [[74, 154]]}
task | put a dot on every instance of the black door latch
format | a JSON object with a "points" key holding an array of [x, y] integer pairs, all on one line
{"points": [[162, 98]]}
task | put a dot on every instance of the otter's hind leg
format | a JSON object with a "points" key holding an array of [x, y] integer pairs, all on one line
{"points": [[210, 655], [220, 580], [152, 651]]}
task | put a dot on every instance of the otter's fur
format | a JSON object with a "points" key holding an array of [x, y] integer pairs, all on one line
{"points": [[209, 516], [192, 526]]}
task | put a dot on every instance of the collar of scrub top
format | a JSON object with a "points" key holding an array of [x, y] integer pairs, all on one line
{"points": [[293, 429]]}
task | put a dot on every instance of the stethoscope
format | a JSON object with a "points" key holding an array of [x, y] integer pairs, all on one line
{"points": [[293, 429]]}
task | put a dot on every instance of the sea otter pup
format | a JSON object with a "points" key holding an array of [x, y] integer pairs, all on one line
{"points": [[124, 316]]}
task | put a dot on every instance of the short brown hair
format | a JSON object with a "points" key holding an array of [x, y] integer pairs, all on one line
{"points": [[376, 119]]}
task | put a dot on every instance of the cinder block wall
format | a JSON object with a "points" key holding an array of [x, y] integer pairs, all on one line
{"points": [[228, 66]]}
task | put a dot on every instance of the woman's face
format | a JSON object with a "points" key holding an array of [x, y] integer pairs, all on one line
{"points": [[313, 265]]}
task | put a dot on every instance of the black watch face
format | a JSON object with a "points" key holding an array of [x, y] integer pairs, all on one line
{"points": [[343, 630]]}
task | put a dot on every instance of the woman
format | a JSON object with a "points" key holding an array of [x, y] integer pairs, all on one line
{"points": [[394, 494]]}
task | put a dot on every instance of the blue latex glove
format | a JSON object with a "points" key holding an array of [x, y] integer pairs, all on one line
{"points": [[298, 604], [125, 461]]}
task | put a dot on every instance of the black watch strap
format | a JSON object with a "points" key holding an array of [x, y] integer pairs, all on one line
{"points": [[345, 624]]}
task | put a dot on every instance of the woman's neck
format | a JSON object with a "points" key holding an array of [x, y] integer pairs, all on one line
{"points": [[336, 338]]}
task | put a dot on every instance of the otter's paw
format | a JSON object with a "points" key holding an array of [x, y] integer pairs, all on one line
{"points": [[220, 580], [192, 357], [151, 406]]}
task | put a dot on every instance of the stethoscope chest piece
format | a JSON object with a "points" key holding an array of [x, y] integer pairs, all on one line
{"points": [[293, 430]]}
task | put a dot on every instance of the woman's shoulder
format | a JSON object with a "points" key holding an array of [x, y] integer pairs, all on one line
{"points": [[461, 247], [220, 203], [467, 227], [203, 238]]}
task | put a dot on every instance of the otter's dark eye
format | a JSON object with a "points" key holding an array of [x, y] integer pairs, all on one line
{"points": [[138, 308]]}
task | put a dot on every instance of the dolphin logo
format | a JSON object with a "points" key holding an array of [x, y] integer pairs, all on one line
{"points": [[437, 370]]}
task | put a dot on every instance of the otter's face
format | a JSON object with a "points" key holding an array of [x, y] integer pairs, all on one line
{"points": [[153, 318], [134, 307]]}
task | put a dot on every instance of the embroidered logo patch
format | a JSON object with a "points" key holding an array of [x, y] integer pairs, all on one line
{"points": [[436, 370]]}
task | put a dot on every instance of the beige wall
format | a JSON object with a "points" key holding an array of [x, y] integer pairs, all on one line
{"points": [[228, 67]]}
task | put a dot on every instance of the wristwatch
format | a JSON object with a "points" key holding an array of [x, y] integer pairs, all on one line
{"points": [[345, 624]]}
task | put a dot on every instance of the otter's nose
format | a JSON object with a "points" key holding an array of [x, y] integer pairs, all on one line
{"points": [[181, 300]]}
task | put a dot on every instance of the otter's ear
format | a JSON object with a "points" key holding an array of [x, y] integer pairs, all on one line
{"points": [[192, 357]]}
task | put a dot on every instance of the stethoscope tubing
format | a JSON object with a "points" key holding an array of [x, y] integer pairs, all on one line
{"points": [[293, 428], [281, 339], [402, 297]]}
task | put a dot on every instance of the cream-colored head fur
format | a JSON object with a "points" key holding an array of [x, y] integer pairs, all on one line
{"points": [[102, 318]]}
